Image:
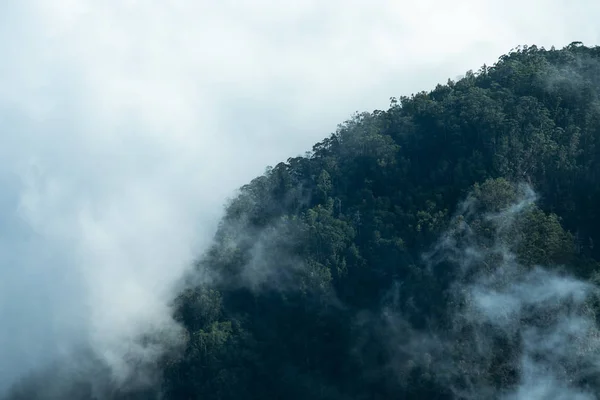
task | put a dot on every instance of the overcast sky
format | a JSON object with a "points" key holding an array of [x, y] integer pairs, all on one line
{"points": [[125, 124]]}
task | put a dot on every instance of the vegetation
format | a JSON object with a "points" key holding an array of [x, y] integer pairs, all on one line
{"points": [[323, 269], [309, 254]]}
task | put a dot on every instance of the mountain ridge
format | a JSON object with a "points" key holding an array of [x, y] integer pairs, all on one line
{"points": [[367, 268]]}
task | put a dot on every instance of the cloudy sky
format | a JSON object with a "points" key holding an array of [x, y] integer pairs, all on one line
{"points": [[124, 125]]}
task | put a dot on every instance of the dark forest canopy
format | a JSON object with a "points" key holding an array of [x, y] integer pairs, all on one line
{"points": [[422, 252]]}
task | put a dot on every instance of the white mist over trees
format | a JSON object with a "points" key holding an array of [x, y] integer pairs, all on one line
{"points": [[119, 154]]}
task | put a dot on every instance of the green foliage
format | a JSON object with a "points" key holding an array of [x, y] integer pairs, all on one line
{"points": [[311, 249], [543, 240], [369, 200]]}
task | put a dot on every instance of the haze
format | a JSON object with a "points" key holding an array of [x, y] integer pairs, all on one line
{"points": [[125, 125]]}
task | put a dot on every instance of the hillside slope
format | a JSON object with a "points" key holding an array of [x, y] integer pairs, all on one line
{"points": [[441, 249]]}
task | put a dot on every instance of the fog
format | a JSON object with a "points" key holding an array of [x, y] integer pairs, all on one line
{"points": [[125, 125]]}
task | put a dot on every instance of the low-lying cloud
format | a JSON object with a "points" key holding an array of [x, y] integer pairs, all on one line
{"points": [[512, 331], [124, 126]]}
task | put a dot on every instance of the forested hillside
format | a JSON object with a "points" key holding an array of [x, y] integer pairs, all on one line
{"points": [[441, 249]]}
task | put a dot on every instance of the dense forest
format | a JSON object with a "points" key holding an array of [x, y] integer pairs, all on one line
{"points": [[441, 249]]}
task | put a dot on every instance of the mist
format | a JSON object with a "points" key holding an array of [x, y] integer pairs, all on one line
{"points": [[125, 126], [512, 331]]}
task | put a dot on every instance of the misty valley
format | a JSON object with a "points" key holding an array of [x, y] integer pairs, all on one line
{"points": [[443, 248]]}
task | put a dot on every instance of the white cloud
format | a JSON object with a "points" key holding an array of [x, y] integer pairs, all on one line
{"points": [[125, 124]]}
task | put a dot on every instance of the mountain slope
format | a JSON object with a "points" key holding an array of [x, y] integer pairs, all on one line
{"points": [[311, 254], [426, 251]]}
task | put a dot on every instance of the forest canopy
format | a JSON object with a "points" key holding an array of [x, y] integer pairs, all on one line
{"points": [[441, 249]]}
